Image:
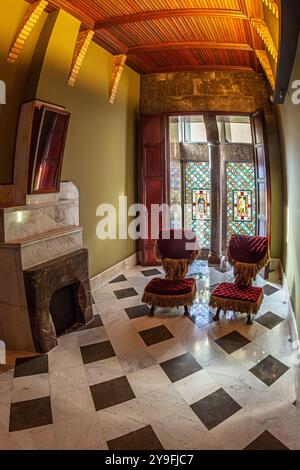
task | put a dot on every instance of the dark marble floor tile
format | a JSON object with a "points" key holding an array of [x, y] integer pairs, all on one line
{"points": [[180, 367], [124, 293], [30, 414], [97, 351], [269, 290], [156, 335], [269, 320], [120, 278], [266, 441], [269, 370], [137, 311], [31, 365], [215, 408], [142, 439], [112, 392], [151, 272], [94, 323], [232, 341]]}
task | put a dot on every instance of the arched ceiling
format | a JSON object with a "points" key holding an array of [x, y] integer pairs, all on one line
{"points": [[172, 35]]}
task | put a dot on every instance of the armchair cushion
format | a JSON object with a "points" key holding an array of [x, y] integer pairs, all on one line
{"points": [[230, 296]]}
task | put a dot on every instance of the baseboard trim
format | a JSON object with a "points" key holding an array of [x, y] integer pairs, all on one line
{"points": [[293, 329], [103, 278]]}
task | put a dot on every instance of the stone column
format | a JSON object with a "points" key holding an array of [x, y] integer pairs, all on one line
{"points": [[215, 162]]}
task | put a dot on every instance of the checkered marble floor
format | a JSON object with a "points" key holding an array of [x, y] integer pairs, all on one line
{"points": [[130, 381]]}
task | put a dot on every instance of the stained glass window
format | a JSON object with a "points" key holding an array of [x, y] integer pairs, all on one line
{"points": [[197, 199], [241, 201]]}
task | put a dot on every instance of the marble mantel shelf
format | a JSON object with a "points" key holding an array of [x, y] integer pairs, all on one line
{"points": [[43, 231], [37, 206], [47, 235]]}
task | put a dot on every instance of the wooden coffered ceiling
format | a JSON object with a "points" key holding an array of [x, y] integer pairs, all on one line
{"points": [[172, 35]]}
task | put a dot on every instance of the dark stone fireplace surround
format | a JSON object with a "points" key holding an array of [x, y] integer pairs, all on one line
{"points": [[43, 280]]}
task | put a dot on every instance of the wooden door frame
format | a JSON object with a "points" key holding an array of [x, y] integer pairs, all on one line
{"points": [[266, 146]]}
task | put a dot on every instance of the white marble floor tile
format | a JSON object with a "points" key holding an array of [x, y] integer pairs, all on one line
{"points": [[80, 433], [206, 441], [59, 360], [61, 381], [238, 431], [30, 387], [122, 419], [267, 407], [5, 392], [71, 404], [178, 430], [104, 370], [166, 350], [196, 386], [286, 428], [40, 438], [249, 355], [148, 380], [162, 403], [94, 335], [69, 341]]}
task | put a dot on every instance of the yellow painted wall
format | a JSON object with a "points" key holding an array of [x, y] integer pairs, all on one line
{"points": [[15, 77], [289, 119], [101, 146]]}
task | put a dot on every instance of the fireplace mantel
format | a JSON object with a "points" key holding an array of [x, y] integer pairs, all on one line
{"points": [[35, 237]]}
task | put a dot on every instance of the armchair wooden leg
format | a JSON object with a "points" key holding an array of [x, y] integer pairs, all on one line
{"points": [[151, 313], [249, 319], [186, 310], [217, 315]]}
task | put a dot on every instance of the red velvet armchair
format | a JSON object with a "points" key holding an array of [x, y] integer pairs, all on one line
{"points": [[176, 249], [247, 255]]}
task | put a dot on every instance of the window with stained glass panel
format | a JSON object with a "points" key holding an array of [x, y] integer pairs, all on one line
{"points": [[197, 199], [241, 198]]}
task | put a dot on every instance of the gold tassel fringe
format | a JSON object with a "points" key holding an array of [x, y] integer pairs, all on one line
{"points": [[242, 306], [170, 301]]}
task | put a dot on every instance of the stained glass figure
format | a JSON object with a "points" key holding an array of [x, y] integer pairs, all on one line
{"points": [[201, 204], [241, 198], [242, 202]]}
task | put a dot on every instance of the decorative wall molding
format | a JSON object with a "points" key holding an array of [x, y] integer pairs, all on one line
{"points": [[265, 63], [117, 70], [272, 6], [83, 41], [103, 278], [33, 14], [262, 29]]}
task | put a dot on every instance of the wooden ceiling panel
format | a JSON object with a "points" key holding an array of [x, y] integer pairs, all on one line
{"points": [[157, 34], [180, 30]]}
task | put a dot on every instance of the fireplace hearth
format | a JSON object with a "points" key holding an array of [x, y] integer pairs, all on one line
{"points": [[58, 297]]}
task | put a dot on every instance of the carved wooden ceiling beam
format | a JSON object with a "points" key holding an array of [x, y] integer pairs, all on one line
{"points": [[172, 13], [164, 46]]}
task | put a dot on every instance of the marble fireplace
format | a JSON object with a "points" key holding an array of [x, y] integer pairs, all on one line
{"points": [[44, 277]]}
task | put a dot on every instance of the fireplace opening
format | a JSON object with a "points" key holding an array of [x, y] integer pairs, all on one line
{"points": [[65, 309]]}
